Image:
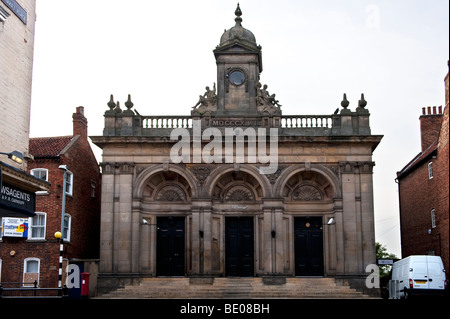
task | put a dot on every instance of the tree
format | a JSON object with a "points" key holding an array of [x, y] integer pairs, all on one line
{"points": [[381, 252]]}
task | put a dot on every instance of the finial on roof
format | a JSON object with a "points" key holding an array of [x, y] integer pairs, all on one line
{"points": [[345, 103], [111, 103], [362, 103], [238, 14]]}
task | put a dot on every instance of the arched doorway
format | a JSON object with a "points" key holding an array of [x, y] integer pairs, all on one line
{"points": [[309, 197], [165, 197], [236, 190]]}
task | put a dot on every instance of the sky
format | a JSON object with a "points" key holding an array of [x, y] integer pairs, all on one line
{"points": [[394, 51]]}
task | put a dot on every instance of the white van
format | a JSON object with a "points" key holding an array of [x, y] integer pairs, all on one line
{"points": [[417, 275]]}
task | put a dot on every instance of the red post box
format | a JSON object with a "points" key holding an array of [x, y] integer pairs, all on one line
{"points": [[85, 284]]}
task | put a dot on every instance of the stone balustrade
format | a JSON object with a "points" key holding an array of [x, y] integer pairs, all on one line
{"points": [[343, 123], [306, 121]]}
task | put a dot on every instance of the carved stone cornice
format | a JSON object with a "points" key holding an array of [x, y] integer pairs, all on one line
{"points": [[356, 167], [124, 168]]}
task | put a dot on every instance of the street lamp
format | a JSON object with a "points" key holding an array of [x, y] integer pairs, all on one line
{"points": [[65, 169], [16, 156], [60, 235]]}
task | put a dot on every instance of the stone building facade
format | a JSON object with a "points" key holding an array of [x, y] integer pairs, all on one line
{"points": [[236, 188], [17, 27]]}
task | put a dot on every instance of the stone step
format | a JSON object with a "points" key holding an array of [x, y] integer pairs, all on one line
{"points": [[235, 288]]}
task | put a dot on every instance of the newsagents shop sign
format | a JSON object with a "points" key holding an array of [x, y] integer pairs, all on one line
{"points": [[17, 199]]}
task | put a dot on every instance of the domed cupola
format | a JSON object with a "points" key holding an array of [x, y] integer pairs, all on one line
{"points": [[238, 34], [239, 63]]}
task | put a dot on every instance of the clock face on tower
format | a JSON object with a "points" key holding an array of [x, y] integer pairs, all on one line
{"points": [[237, 77]]}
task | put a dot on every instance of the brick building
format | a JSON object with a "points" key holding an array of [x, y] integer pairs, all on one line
{"points": [[424, 188], [37, 256]]}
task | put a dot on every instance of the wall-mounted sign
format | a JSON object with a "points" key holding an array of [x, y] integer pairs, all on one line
{"points": [[16, 198], [15, 227], [17, 9]]}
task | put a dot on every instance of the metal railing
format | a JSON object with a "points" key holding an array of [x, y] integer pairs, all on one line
{"points": [[32, 291]]}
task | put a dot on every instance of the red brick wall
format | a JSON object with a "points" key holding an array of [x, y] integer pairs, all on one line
{"points": [[442, 190], [84, 210], [419, 195], [430, 123]]}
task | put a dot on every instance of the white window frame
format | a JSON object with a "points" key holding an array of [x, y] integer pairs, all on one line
{"points": [[25, 270], [66, 234], [30, 225], [33, 173], [433, 218], [430, 170], [69, 183]]}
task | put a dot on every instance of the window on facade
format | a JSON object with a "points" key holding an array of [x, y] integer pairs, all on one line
{"points": [[430, 170], [31, 271], [69, 183], [433, 218], [93, 186], [37, 226], [41, 173], [66, 230]]}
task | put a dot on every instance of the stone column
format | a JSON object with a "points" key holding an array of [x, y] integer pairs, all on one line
{"points": [[107, 218], [195, 241], [367, 213], [206, 227], [278, 239], [267, 257], [145, 247], [349, 217], [339, 228], [123, 225]]}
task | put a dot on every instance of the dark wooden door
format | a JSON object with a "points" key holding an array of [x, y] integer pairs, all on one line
{"points": [[170, 246], [308, 246], [239, 246]]}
